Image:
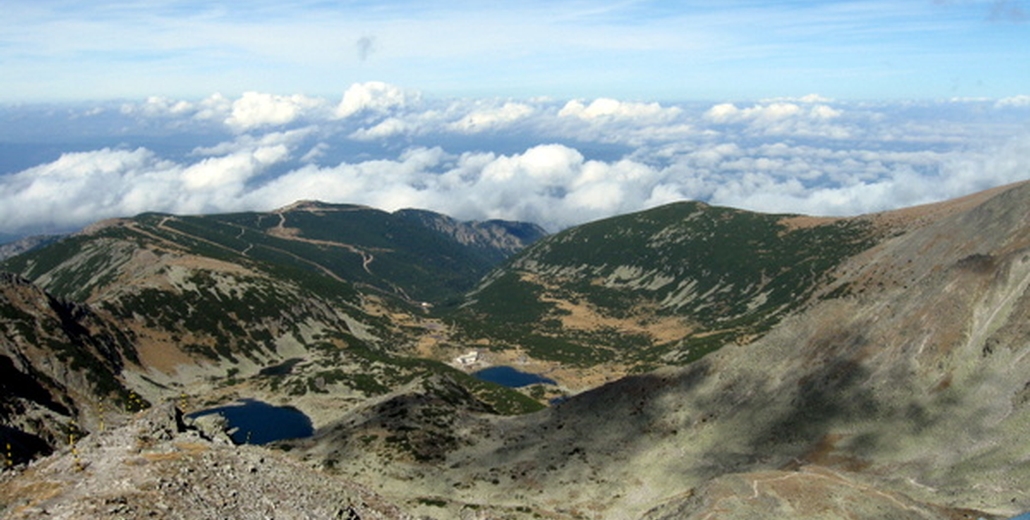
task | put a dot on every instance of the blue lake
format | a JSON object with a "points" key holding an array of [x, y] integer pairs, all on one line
{"points": [[511, 377], [257, 422]]}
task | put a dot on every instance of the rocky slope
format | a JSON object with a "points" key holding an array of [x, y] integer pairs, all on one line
{"points": [[157, 466], [901, 393], [60, 363]]}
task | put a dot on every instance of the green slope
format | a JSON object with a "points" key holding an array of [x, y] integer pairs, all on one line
{"points": [[721, 274]]}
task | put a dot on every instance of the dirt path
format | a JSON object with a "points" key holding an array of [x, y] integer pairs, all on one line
{"points": [[281, 231]]}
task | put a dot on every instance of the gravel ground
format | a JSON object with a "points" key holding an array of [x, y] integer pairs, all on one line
{"points": [[155, 467]]}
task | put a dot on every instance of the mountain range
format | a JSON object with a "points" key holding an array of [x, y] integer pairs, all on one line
{"points": [[708, 362]]}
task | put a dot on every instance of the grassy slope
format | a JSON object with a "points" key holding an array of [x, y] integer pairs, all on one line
{"points": [[729, 275]]}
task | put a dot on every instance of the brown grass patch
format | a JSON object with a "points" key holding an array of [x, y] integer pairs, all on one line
{"points": [[823, 454], [21, 496], [157, 350], [805, 222], [917, 216], [162, 456], [284, 232], [587, 317], [192, 447]]}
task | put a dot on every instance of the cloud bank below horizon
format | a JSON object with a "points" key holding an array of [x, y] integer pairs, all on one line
{"points": [[554, 162]]}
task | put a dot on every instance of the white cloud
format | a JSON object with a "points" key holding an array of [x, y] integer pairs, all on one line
{"points": [[782, 118], [231, 170], [384, 129], [81, 187], [156, 106], [612, 121], [491, 118], [1020, 101], [247, 142], [770, 113], [608, 109], [808, 98], [255, 109], [250, 111], [374, 96], [214, 108], [315, 153]]}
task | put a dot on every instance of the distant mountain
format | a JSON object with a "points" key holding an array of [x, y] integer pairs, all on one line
{"points": [[25, 245], [413, 255]]}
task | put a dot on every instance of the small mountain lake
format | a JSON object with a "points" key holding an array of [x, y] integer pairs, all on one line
{"points": [[511, 377], [258, 422]]}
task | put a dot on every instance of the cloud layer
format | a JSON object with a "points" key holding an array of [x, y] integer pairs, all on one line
{"points": [[555, 162]]}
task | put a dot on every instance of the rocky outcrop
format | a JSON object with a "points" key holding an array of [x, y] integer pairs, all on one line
{"points": [[155, 466], [496, 239], [59, 364]]}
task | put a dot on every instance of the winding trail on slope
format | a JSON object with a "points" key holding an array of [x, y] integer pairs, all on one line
{"points": [[281, 231], [328, 272], [811, 477]]}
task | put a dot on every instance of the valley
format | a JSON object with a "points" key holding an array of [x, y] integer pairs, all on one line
{"points": [[706, 362]]}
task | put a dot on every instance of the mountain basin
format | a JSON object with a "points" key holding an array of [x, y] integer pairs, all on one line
{"points": [[511, 377], [257, 422]]}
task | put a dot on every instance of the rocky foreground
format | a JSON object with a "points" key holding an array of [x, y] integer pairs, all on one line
{"points": [[156, 466]]}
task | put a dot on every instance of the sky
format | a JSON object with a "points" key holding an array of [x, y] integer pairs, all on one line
{"points": [[555, 112], [640, 50]]}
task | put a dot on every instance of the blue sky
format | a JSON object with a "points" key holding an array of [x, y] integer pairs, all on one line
{"points": [[555, 112], [865, 49]]}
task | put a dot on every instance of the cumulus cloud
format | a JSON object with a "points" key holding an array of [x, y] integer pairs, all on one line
{"points": [[770, 113], [808, 98], [491, 118], [289, 139], [250, 111], [375, 97], [79, 188], [625, 122], [781, 118], [256, 109], [549, 184], [389, 127], [606, 108], [157, 106]]}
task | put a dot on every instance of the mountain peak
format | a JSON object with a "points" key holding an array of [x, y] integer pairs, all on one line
{"points": [[317, 205]]}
